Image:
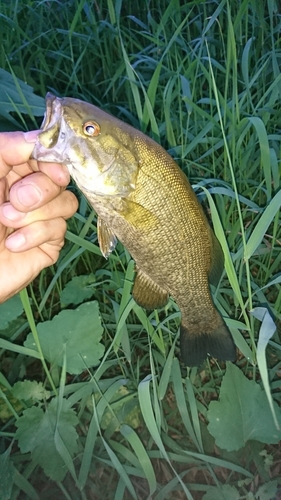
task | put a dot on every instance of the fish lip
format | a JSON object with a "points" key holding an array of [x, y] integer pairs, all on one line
{"points": [[53, 111], [53, 118]]}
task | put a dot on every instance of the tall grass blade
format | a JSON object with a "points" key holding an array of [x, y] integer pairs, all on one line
{"points": [[262, 225], [267, 330], [142, 455]]}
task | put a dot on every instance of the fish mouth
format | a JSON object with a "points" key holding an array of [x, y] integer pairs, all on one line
{"points": [[51, 144], [53, 111]]}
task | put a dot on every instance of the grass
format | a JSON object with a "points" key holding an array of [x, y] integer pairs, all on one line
{"points": [[203, 79]]}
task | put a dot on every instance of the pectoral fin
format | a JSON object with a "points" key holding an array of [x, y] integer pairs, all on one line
{"points": [[148, 294], [107, 240], [138, 216]]}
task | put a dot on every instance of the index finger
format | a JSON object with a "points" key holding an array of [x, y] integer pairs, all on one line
{"points": [[57, 172], [15, 149]]}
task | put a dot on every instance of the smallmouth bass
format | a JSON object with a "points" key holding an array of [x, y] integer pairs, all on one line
{"points": [[143, 199]]}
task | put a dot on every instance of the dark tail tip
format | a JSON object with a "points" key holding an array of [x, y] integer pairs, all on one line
{"points": [[195, 347]]}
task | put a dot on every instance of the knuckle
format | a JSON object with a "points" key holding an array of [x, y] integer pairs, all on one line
{"points": [[51, 230]]}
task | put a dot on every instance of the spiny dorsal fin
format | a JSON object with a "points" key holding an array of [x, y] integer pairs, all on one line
{"points": [[148, 294], [107, 240]]}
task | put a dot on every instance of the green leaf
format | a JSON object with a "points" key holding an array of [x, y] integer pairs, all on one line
{"points": [[122, 411], [242, 413], [9, 405], [36, 432], [18, 96], [268, 490], [9, 311], [77, 290], [7, 473], [30, 390], [75, 332], [225, 492]]}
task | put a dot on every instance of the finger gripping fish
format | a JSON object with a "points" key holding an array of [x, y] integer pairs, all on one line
{"points": [[143, 199]]}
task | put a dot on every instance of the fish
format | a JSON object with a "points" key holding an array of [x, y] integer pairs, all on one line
{"points": [[143, 199]]}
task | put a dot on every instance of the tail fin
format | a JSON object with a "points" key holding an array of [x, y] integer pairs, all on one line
{"points": [[195, 347]]}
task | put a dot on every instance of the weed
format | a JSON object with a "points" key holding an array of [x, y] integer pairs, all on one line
{"points": [[117, 416]]}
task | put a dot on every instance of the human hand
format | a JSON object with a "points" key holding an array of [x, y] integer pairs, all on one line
{"points": [[33, 208]]}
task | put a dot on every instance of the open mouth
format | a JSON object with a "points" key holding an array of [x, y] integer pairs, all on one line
{"points": [[53, 111], [51, 124], [50, 144]]}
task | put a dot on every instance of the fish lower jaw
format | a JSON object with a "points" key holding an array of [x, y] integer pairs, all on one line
{"points": [[91, 185], [47, 156]]}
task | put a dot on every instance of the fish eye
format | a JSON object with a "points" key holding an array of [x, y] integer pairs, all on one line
{"points": [[91, 129]]}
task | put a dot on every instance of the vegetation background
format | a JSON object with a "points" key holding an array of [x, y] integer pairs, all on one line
{"points": [[93, 400]]}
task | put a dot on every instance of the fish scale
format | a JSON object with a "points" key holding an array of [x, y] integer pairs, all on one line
{"points": [[143, 199]]}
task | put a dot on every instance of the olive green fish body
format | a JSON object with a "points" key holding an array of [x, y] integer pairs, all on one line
{"points": [[143, 199]]}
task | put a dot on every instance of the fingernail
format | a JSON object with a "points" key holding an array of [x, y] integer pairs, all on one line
{"points": [[31, 136], [28, 195], [15, 241], [11, 213]]}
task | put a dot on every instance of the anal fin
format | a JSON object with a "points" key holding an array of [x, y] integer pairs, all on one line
{"points": [[147, 293], [107, 239]]}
